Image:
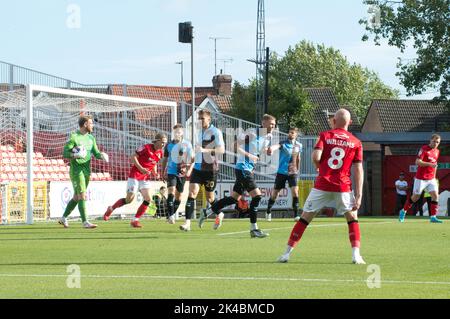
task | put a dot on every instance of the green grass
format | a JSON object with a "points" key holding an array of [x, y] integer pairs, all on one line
{"points": [[159, 261]]}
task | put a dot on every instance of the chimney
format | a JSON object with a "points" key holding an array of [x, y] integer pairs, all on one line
{"points": [[222, 84]]}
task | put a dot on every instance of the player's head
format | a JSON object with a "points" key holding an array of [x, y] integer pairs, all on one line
{"points": [[86, 123], [293, 133], [178, 132], [342, 119], [269, 122], [204, 116], [435, 140], [402, 176], [159, 141]]}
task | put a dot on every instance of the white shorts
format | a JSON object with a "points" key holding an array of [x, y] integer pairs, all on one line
{"points": [[428, 185], [317, 200], [133, 185]]}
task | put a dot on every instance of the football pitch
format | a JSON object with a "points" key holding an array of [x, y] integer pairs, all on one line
{"points": [[409, 260]]}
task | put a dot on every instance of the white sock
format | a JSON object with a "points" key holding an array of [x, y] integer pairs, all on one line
{"points": [[253, 226], [288, 249], [355, 251], [136, 219], [188, 222]]}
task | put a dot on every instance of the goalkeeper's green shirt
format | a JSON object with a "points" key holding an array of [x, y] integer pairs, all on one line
{"points": [[89, 143]]}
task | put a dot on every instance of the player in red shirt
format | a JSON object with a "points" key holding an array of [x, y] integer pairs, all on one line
{"points": [[335, 153], [425, 178], [144, 164]]}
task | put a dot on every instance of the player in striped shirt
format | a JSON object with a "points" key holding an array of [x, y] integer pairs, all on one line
{"points": [[288, 169]]}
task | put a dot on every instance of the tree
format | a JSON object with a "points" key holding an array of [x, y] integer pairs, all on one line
{"points": [[426, 23], [307, 66]]}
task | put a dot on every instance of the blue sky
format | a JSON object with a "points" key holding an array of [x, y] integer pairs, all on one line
{"points": [[136, 41]]}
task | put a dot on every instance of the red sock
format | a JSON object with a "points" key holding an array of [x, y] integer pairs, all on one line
{"points": [[433, 208], [297, 232], [119, 203], [142, 209], [408, 205], [354, 234]]}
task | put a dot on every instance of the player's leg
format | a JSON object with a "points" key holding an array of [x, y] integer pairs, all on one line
{"points": [[84, 183], [256, 195], [179, 192], [417, 191], [145, 189], [132, 188], [194, 188], [75, 179], [296, 234], [215, 206], [171, 185], [432, 189], [280, 183], [316, 201]]}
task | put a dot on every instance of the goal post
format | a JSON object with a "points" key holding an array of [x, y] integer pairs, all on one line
{"points": [[43, 117]]}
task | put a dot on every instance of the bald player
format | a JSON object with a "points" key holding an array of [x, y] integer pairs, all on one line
{"points": [[335, 153]]}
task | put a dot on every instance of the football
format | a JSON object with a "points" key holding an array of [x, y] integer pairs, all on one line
{"points": [[79, 151]]}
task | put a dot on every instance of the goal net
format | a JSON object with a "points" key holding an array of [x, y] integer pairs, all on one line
{"points": [[36, 122]]}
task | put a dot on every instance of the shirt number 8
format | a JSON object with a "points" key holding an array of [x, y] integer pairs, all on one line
{"points": [[337, 154]]}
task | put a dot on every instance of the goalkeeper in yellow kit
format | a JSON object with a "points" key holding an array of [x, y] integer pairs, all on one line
{"points": [[79, 149]]}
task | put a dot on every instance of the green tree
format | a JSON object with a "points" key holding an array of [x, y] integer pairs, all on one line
{"points": [[425, 24], [305, 66]]}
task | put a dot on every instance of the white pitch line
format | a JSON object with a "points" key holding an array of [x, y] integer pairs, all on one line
{"points": [[290, 227], [406, 282]]}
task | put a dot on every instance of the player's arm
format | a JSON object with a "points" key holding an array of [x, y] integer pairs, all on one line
{"points": [[316, 156], [164, 160], [97, 153], [67, 152], [421, 163], [318, 150], [134, 160], [240, 150], [191, 165], [359, 179], [273, 148]]}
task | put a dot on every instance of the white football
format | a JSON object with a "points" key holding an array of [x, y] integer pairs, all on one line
{"points": [[79, 151]]}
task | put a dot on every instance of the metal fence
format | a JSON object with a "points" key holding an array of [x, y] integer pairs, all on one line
{"points": [[14, 76]]}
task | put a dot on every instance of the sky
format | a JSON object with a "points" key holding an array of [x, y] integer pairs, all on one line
{"points": [[136, 41]]}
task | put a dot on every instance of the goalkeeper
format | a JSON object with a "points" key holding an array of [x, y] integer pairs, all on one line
{"points": [[79, 149]]}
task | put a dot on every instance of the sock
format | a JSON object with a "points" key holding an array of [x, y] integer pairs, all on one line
{"points": [[224, 202], [121, 202], [253, 226], [170, 204], [289, 249], [176, 204], [188, 222], [433, 208], [355, 252], [141, 210], [254, 209], [354, 234], [297, 232], [82, 209], [70, 207], [270, 205], [408, 204], [189, 210], [295, 205]]}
